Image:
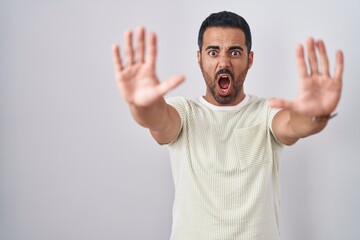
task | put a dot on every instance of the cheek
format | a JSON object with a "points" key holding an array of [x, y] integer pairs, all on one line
{"points": [[240, 73], [206, 67], [241, 66], [206, 74], [208, 64]]}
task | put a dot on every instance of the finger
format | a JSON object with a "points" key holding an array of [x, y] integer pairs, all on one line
{"points": [[116, 58], [170, 84], [152, 50], [300, 60], [140, 44], [278, 103], [323, 58], [339, 67], [129, 51], [312, 56]]}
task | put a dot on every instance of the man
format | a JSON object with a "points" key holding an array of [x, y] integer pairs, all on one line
{"points": [[224, 146]]}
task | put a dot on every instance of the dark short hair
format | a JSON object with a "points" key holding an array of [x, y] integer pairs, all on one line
{"points": [[225, 19]]}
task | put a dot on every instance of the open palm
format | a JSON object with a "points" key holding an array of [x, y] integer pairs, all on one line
{"points": [[137, 80], [319, 92]]}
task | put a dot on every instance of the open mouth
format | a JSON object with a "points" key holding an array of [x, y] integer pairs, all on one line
{"points": [[224, 83]]}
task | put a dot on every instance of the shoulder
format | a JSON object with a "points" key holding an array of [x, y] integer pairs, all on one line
{"points": [[183, 105], [180, 101], [257, 107]]}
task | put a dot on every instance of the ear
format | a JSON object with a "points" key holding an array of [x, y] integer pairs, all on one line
{"points": [[198, 57], [250, 59]]}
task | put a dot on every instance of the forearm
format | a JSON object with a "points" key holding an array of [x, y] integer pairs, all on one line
{"points": [[161, 119], [303, 126], [290, 126], [154, 117]]}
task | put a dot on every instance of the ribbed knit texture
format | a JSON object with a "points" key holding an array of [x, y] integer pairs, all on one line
{"points": [[225, 169]]}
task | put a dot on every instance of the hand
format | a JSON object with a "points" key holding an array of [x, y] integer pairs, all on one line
{"points": [[319, 92], [137, 80]]}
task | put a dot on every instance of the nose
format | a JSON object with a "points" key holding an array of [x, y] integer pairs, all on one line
{"points": [[224, 62]]}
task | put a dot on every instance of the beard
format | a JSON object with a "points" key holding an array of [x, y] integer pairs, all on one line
{"points": [[237, 85]]}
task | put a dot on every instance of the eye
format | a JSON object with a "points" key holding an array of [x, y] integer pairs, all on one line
{"points": [[235, 53], [212, 53]]}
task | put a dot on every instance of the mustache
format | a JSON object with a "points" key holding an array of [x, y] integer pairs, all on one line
{"points": [[224, 71]]}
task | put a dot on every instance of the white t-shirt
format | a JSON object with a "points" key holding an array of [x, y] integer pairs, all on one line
{"points": [[225, 163]]}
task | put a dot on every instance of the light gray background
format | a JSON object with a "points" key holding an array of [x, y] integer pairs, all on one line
{"points": [[74, 165]]}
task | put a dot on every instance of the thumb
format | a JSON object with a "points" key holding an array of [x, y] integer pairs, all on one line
{"points": [[170, 84]]}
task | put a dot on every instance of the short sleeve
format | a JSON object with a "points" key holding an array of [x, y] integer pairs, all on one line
{"points": [[271, 114], [179, 103]]}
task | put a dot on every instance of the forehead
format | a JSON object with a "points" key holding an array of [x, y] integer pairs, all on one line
{"points": [[223, 36]]}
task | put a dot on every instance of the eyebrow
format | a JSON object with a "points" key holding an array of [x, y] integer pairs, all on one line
{"points": [[212, 47], [236, 48], [231, 48]]}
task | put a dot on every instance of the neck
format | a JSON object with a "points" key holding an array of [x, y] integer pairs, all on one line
{"points": [[209, 97]]}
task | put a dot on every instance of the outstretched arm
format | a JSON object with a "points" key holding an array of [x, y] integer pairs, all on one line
{"points": [[141, 89], [318, 96]]}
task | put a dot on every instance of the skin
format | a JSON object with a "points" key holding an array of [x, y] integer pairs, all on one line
{"points": [[141, 88], [224, 48], [318, 95]]}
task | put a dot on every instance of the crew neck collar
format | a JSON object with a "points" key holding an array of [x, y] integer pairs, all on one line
{"points": [[225, 108]]}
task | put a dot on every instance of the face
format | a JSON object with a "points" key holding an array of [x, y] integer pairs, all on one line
{"points": [[224, 61]]}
